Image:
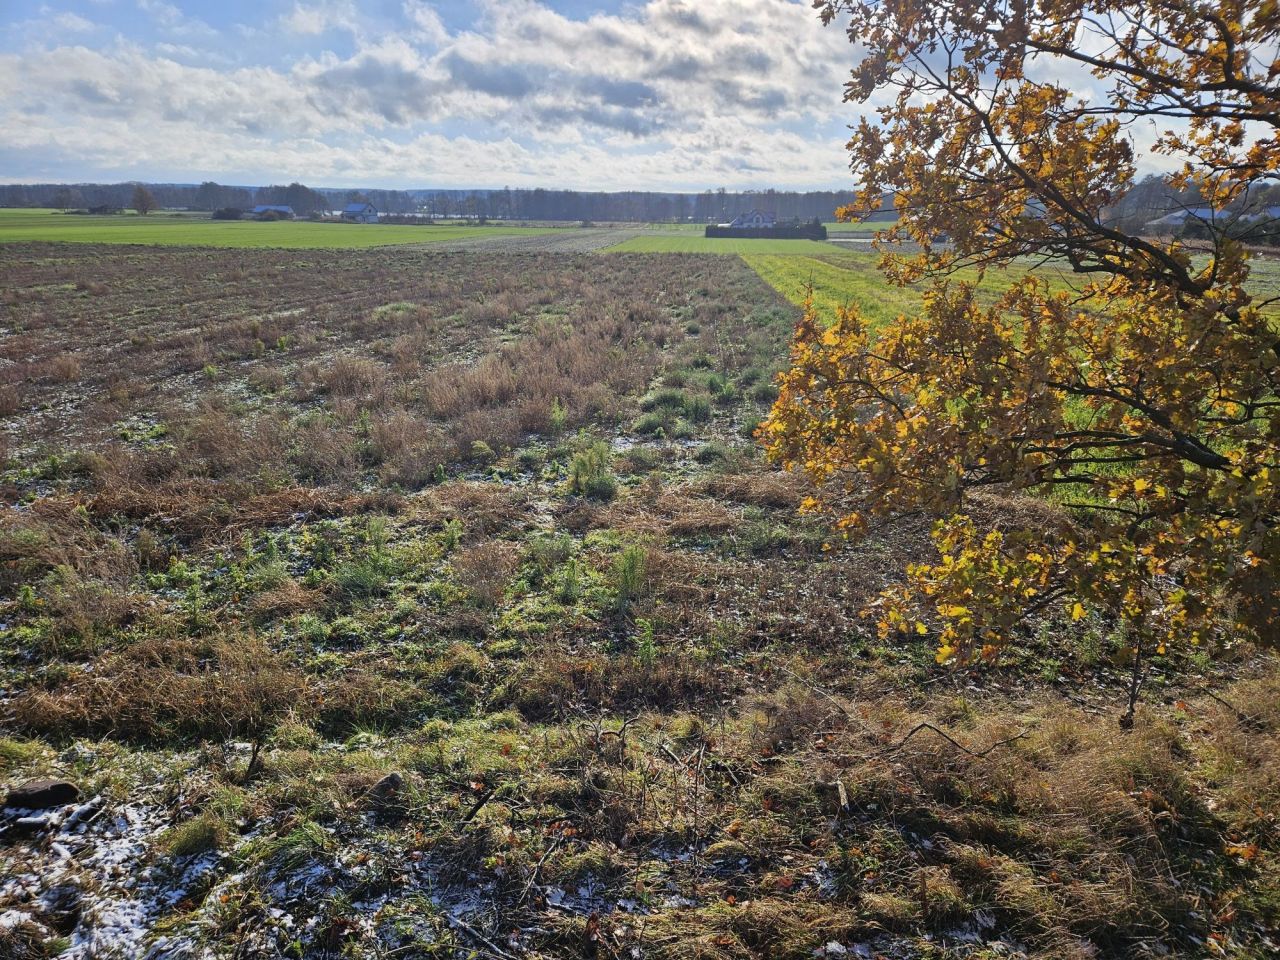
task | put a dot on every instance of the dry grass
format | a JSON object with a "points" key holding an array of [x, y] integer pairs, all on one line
{"points": [[219, 689], [284, 509]]}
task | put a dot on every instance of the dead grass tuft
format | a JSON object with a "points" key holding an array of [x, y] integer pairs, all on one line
{"points": [[158, 690]]}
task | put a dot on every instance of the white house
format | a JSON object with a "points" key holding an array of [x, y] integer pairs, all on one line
{"points": [[754, 219]]}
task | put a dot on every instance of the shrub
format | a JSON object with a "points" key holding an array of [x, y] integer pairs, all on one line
{"points": [[483, 571], [559, 416], [589, 474]]}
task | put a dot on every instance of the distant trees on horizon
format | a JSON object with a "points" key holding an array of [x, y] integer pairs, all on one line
{"points": [[709, 206]]}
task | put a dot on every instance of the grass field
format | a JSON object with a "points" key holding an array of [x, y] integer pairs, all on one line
{"points": [[679, 242], [868, 229], [161, 229], [449, 591], [850, 277]]}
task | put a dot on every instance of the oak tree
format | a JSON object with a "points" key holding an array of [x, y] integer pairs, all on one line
{"points": [[144, 200], [1138, 390]]}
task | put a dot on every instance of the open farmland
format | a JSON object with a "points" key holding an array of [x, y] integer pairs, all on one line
{"points": [[677, 242], [430, 603], [161, 229]]}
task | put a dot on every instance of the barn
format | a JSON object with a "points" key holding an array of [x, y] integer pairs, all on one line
{"points": [[360, 213]]}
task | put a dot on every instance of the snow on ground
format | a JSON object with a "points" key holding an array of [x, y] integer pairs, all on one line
{"points": [[85, 872]]}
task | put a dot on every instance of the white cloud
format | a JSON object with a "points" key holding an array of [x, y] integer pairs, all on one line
{"points": [[73, 23], [313, 19], [671, 93], [428, 28], [174, 22]]}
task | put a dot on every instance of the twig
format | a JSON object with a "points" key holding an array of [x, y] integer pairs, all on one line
{"points": [[826, 695], [533, 877], [480, 938], [1241, 716], [479, 804], [671, 754], [955, 743]]}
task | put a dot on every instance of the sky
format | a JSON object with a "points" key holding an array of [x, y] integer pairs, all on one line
{"points": [[603, 95]]}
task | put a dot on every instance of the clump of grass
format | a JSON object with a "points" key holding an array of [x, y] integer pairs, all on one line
{"points": [[363, 577], [197, 835], [14, 752], [667, 398], [697, 408], [714, 452], [569, 584], [589, 474], [650, 424], [646, 644], [629, 576]]}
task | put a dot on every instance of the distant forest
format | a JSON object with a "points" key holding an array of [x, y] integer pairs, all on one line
{"points": [[538, 204], [1150, 199]]}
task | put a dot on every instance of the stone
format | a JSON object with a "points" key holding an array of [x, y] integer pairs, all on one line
{"points": [[40, 794], [384, 794]]}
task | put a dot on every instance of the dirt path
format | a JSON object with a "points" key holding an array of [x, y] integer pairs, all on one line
{"points": [[569, 240]]}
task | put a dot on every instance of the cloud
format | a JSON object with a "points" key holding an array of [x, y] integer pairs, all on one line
{"points": [[174, 22], [72, 23], [427, 27], [313, 19], [666, 93]]}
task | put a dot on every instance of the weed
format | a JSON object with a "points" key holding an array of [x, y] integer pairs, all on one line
{"points": [[629, 576], [646, 645], [558, 418], [589, 474]]}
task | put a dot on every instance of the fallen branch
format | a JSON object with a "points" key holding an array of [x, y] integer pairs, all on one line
{"points": [[480, 938], [920, 727], [479, 805]]}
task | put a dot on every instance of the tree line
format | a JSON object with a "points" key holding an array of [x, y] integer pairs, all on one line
{"points": [[709, 206]]}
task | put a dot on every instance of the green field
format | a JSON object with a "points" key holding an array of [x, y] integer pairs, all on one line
{"points": [[164, 229], [869, 229], [679, 243], [855, 280]]}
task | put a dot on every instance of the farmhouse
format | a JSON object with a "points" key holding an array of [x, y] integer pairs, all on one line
{"points": [[752, 220], [272, 211], [360, 213], [759, 225]]}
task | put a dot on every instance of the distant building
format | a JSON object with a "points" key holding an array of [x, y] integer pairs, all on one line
{"points": [[752, 220], [360, 213], [1264, 214], [1174, 221], [272, 211]]}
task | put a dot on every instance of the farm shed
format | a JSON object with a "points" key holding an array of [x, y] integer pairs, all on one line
{"points": [[360, 213]]}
